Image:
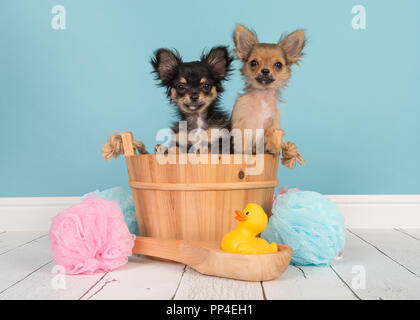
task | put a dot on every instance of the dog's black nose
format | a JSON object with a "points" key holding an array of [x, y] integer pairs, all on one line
{"points": [[265, 71], [194, 97]]}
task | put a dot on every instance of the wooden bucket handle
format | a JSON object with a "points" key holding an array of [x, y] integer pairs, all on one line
{"points": [[127, 140]]}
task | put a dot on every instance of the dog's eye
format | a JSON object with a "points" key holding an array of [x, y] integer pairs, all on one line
{"points": [[206, 87], [254, 63], [180, 87], [278, 65]]}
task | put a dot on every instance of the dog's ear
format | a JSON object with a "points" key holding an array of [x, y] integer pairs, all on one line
{"points": [[165, 63], [244, 41], [293, 45], [219, 61]]}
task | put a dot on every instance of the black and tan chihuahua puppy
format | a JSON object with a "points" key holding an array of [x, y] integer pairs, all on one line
{"points": [[195, 89]]}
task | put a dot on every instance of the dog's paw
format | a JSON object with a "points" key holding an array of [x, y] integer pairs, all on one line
{"points": [[272, 149], [161, 149], [271, 144], [173, 150]]}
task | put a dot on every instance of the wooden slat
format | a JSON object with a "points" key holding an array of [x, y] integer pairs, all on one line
{"points": [[12, 240], [196, 286], [22, 261], [24, 274], [414, 233], [38, 286], [385, 279], [308, 283], [140, 278], [400, 247]]}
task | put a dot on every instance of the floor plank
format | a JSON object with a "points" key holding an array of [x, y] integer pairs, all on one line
{"points": [[399, 246], [195, 286], [140, 278], [390, 259], [34, 280], [384, 278], [413, 233], [21, 262], [12, 240], [40, 286], [308, 283]]}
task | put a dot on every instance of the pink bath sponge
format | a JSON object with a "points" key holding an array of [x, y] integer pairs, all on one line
{"points": [[91, 236]]}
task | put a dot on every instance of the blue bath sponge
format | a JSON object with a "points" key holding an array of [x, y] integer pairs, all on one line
{"points": [[308, 222], [125, 201]]}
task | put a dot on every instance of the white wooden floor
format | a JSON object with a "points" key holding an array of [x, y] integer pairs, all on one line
{"points": [[377, 264]]}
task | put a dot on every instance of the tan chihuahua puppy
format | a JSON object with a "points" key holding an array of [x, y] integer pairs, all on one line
{"points": [[266, 69]]}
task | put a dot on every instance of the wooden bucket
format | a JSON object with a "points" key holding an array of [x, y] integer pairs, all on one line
{"points": [[194, 201]]}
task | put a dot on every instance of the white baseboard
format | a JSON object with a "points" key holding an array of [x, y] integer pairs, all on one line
{"points": [[361, 211], [380, 211], [35, 213]]}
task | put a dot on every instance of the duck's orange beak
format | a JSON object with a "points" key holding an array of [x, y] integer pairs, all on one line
{"points": [[240, 216]]}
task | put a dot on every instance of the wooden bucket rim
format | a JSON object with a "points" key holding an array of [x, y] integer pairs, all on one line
{"points": [[153, 155]]}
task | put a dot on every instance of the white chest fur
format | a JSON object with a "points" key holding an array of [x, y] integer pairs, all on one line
{"points": [[257, 109], [198, 134]]}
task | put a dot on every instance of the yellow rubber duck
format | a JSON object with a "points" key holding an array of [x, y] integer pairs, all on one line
{"points": [[243, 239]]}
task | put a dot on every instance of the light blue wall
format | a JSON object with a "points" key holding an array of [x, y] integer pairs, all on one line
{"points": [[353, 104]]}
